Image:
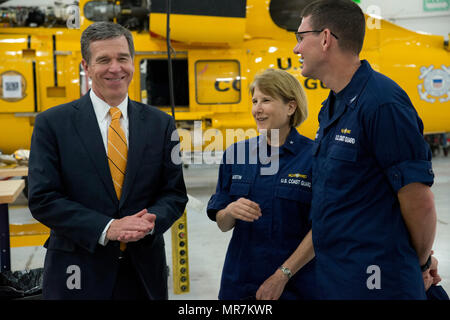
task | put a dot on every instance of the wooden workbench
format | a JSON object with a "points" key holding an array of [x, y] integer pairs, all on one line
{"points": [[9, 191], [24, 235], [19, 171]]}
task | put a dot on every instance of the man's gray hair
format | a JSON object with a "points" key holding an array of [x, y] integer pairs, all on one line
{"points": [[104, 31]]}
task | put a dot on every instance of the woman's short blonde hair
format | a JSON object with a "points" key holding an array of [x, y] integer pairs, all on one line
{"points": [[281, 84]]}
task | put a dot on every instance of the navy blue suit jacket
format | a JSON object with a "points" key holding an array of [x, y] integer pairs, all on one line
{"points": [[71, 191]]}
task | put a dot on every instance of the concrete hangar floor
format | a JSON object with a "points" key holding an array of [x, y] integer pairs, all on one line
{"points": [[207, 244]]}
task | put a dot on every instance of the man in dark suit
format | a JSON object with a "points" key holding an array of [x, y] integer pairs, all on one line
{"points": [[102, 179]]}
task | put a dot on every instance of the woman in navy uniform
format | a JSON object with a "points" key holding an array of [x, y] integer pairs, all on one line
{"points": [[264, 193]]}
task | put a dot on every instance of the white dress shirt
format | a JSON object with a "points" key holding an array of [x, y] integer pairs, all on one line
{"points": [[101, 109]]}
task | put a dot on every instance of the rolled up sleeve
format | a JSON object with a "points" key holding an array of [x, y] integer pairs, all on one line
{"points": [[407, 172], [396, 134]]}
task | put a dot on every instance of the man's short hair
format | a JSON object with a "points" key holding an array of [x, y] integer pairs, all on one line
{"points": [[104, 31], [283, 85], [343, 17]]}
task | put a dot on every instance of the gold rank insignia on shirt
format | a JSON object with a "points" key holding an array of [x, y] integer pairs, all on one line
{"points": [[346, 131], [297, 175]]}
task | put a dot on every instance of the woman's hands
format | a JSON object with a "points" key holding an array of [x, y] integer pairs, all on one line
{"points": [[241, 209], [244, 209], [273, 287]]}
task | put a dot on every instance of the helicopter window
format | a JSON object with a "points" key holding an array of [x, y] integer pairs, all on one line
{"points": [[155, 82], [217, 81], [286, 13]]}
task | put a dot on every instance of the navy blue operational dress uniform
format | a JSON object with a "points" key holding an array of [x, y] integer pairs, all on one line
{"points": [[368, 146], [258, 248]]}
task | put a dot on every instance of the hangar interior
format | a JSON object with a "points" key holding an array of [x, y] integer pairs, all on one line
{"points": [[207, 245]]}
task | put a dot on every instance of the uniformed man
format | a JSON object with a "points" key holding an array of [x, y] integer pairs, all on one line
{"points": [[373, 213]]}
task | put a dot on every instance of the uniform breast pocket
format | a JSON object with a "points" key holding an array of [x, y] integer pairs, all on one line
{"points": [[293, 194], [338, 152], [292, 209], [341, 165], [239, 190]]}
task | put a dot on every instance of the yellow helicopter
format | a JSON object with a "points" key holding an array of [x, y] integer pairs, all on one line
{"points": [[216, 48]]}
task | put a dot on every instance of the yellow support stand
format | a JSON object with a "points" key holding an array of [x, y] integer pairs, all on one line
{"points": [[180, 261]]}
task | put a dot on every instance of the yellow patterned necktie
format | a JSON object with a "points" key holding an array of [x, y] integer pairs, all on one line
{"points": [[117, 154]]}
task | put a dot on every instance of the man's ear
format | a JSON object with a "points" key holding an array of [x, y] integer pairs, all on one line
{"points": [[326, 39], [85, 66]]}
